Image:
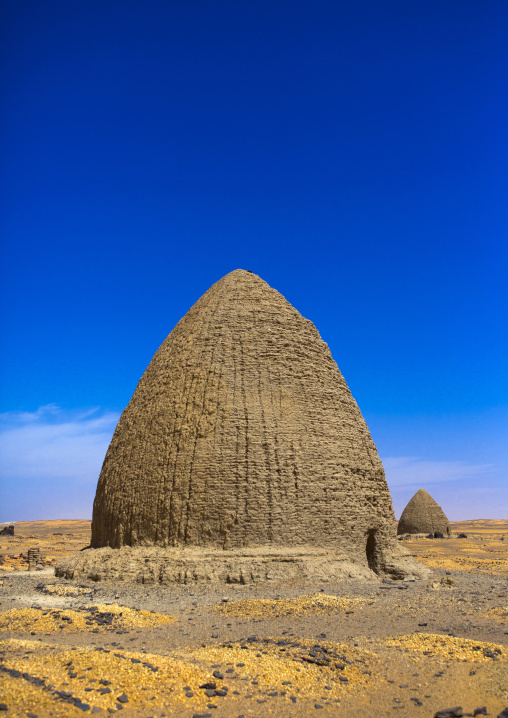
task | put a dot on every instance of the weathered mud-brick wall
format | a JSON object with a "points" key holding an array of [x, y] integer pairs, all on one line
{"points": [[242, 432]]}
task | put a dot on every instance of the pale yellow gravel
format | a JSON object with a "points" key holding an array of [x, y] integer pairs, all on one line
{"points": [[448, 646], [58, 589], [25, 620], [315, 604], [271, 666], [142, 686]]}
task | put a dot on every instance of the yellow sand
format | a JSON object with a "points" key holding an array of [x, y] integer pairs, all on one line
{"points": [[448, 646], [23, 620], [317, 603]]}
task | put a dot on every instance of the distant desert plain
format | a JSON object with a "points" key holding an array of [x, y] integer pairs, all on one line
{"points": [[349, 648]]}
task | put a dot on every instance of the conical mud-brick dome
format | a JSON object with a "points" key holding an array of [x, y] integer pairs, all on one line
{"points": [[241, 433], [423, 515]]}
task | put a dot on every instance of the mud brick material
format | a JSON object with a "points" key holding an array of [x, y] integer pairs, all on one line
{"points": [[33, 557], [242, 432], [423, 515]]}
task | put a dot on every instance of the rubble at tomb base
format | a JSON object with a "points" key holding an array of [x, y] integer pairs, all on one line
{"points": [[154, 565]]}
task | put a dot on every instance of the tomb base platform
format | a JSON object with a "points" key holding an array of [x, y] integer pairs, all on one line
{"points": [[167, 566]]}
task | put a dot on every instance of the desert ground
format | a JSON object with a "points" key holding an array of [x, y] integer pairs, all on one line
{"points": [[381, 648]]}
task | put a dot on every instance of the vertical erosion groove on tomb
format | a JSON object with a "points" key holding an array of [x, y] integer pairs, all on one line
{"points": [[242, 434]]}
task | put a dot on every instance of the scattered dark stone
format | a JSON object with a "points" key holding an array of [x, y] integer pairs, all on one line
{"points": [[73, 675], [462, 536], [240, 665], [292, 698], [503, 714], [215, 635], [221, 692], [272, 694], [422, 624], [96, 709], [189, 694], [317, 705], [3, 707], [261, 700], [450, 713], [480, 711], [202, 715], [343, 679], [218, 674], [286, 683], [123, 698], [82, 706], [210, 692], [438, 534], [209, 685]]}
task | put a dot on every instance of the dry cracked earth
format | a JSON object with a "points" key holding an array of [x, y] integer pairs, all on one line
{"points": [[405, 648]]}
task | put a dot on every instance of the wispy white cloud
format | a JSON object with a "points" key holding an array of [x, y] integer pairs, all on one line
{"points": [[464, 490], [50, 459], [417, 471]]}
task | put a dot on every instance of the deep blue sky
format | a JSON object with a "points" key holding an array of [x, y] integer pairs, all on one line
{"points": [[353, 154]]}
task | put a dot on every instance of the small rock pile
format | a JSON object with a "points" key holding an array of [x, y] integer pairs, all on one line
{"points": [[19, 561]]}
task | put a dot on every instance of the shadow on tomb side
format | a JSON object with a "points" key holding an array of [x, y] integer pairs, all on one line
{"points": [[242, 457]]}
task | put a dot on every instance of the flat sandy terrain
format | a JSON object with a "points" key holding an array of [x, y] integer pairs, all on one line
{"points": [[406, 648]]}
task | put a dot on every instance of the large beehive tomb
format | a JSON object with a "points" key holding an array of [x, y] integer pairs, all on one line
{"points": [[242, 441]]}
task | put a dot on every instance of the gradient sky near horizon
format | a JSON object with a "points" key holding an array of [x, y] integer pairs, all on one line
{"points": [[352, 154]]}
